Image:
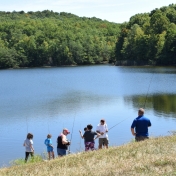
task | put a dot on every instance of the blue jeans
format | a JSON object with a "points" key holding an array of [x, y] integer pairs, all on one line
{"points": [[61, 152]]}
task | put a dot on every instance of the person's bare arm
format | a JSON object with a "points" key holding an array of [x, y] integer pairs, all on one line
{"points": [[98, 134], [106, 129], [81, 134], [64, 139], [51, 145], [132, 131], [98, 131]]}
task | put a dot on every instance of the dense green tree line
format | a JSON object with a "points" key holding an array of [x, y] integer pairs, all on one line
{"points": [[148, 38], [35, 39]]}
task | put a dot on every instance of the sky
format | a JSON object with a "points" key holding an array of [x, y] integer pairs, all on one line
{"points": [[117, 11]]}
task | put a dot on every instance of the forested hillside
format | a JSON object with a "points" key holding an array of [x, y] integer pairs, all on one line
{"points": [[148, 38], [35, 39]]}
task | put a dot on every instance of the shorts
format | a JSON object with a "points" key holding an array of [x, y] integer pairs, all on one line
{"points": [[141, 138], [103, 141], [49, 149], [61, 152], [89, 146]]}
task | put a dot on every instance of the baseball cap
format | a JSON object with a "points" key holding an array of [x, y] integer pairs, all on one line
{"points": [[65, 129]]}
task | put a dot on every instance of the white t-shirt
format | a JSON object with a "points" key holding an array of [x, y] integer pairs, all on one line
{"points": [[28, 143], [102, 128]]}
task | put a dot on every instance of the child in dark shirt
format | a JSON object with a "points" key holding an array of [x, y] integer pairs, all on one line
{"points": [[89, 137]]}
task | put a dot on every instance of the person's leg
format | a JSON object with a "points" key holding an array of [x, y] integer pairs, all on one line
{"points": [[92, 146], [141, 138], [100, 143], [87, 146], [32, 155], [26, 156], [61, 152], [106, 142], [49, 155], [53, 154]]}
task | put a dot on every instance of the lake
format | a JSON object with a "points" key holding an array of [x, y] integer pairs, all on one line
{"points": [[45, 100]]}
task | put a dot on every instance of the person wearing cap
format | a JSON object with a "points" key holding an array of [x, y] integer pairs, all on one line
{"points": [[139, 127], [89, 138], [62, 143], [102, 128]]}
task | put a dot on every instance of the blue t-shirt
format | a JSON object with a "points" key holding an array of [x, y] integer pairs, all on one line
{"points": [[48, 142], [141, 125]]}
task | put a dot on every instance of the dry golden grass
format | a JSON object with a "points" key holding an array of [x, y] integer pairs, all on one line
{"points": [[151, 157]]}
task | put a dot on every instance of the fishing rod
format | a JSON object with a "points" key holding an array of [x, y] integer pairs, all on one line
{"points": [[27, 124], [148, 90], [48, 127], [118, 123], [144, 103], [80, 141], [71, 134]]}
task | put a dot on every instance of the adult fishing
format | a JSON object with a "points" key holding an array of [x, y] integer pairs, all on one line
{"points": [[143, 106]]}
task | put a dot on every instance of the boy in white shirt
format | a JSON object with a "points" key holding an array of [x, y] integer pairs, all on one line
{"points": [[102, 128]]}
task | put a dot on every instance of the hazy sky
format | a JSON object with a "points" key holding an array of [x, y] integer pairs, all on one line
{"points": [[111, 10]]}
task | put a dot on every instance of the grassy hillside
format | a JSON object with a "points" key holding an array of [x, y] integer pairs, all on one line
{"points": [[151, 157]]}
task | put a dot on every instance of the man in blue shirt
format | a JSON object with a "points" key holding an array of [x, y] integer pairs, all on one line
{"points": [[139, 127]]}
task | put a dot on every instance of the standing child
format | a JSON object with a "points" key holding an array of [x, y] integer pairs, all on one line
{"points": [[89, 137], [28, 144], [48, 143]]}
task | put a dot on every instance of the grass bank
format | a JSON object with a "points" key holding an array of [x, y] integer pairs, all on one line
{"points": [[151, 157]]}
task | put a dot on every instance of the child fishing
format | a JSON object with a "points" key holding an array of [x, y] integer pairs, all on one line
{"points": [[48, 143]]}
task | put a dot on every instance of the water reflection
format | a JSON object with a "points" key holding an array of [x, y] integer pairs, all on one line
{"points": [[161, 104], [149, 69]]}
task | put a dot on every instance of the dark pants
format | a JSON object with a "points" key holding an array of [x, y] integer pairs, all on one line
{"points": [[141, 138], [27, 155]]}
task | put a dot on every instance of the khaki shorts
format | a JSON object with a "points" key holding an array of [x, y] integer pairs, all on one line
{"points": [[103, 141]]}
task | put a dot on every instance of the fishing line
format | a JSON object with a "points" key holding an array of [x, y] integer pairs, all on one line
{"points": [[144, 103], [80, 141], [148, 90], [48, 129], [48, 125], [71, 133], [27, 124]]}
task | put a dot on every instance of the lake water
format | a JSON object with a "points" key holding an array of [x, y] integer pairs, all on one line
{"points": [[45, 100]]}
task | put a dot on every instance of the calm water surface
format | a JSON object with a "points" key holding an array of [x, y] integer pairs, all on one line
{"points": [[45, 100]]}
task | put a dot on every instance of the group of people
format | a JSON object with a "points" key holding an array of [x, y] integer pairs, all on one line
{"points": [[139, 129], [62, 145]]}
